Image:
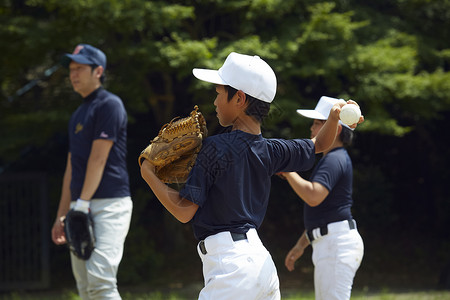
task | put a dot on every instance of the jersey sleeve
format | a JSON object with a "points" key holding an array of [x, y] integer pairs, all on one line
{"points": [[328, 171], [295, 155], [110, 117]]}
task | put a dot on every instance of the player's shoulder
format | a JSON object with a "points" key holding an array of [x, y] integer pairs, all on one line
{"points": [[339, 152], [280, 142], [231, 141], [337, 156], [107, 95], [233, 135], [106, 98], [210, 139]]}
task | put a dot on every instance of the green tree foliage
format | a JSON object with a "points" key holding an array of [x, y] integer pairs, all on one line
{"points": [[362, 52], [392, 56]]}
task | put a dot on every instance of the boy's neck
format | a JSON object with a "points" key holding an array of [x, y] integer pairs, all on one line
{"points": [[247, 124], [337, 143]]}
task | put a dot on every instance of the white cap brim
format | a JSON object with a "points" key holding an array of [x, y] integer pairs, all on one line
{"points": [[208, 75], [312, 114]]}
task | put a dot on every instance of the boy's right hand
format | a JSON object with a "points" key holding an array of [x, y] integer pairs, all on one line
{"points": [[336, 110]]}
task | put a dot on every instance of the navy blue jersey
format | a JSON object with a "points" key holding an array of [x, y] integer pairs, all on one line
{"points": [[231, 179], [335, 172], [100, 116]]}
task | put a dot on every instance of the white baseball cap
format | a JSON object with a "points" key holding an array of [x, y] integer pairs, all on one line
{"points": [[250, 74], [322, 110]]}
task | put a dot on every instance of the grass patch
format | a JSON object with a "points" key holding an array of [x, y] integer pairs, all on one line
{"points": [[192, 295]]}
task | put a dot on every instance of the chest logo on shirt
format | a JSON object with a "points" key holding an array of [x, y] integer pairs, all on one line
{"points": [[78, 128]]}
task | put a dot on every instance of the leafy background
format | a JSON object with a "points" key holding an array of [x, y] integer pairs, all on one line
{"points": [[392, 56]]}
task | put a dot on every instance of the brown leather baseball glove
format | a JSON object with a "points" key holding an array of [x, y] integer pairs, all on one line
{"points": [[174, 151]]}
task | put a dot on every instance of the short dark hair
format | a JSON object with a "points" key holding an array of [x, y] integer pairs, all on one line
{"points": [[256, 108], [346, 136], [103, 77]]}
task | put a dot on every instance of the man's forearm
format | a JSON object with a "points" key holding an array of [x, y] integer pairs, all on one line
{"points": [[94, 173], [64, 202], [95, 167]]}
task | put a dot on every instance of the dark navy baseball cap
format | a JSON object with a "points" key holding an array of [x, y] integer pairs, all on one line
{"points": [[85, 54]]}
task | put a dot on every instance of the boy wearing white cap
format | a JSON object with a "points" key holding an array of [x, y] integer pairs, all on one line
{"points": [[227, 192], [330, 228]]}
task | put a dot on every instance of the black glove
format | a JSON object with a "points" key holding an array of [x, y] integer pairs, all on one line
{"points": [[79, 230]]}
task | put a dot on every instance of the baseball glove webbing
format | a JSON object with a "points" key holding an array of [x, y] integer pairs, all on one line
{"points": [[174, 151]]}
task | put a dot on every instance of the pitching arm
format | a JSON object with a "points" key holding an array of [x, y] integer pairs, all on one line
{"points": [[327, 134]]}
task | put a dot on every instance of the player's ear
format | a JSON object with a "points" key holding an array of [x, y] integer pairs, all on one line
{"points": [[241, 98], [339, 130], [98, 72]]}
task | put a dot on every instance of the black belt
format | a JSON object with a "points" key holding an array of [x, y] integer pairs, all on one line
{"points": [[238, 236], [235, 236], [324, 230]]}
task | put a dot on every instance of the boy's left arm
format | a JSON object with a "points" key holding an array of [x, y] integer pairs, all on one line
{"points": [[181, 208]]}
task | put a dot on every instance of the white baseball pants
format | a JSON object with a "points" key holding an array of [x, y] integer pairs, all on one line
{"points": [[97, 277], [336, 257], [238, 270]]}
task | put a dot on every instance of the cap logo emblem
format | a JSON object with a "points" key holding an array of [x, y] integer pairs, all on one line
{"points": [[78, 49]]}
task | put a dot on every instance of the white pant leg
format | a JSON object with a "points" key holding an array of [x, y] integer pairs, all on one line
{"points": [[96, 277], [238, 270], [336, 257]]}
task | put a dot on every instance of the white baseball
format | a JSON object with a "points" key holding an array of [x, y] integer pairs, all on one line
{"points": [[350, 114]]}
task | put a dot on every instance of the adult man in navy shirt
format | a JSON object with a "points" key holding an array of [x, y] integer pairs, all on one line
{"points": [[227, 191], [96, 177]]}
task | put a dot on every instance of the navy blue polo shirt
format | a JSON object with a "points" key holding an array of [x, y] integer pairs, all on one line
{"points": [[100, 116], [335, 172], [231, 179]]}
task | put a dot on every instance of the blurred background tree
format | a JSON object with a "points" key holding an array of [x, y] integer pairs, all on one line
{"points": [[393, 57]]}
